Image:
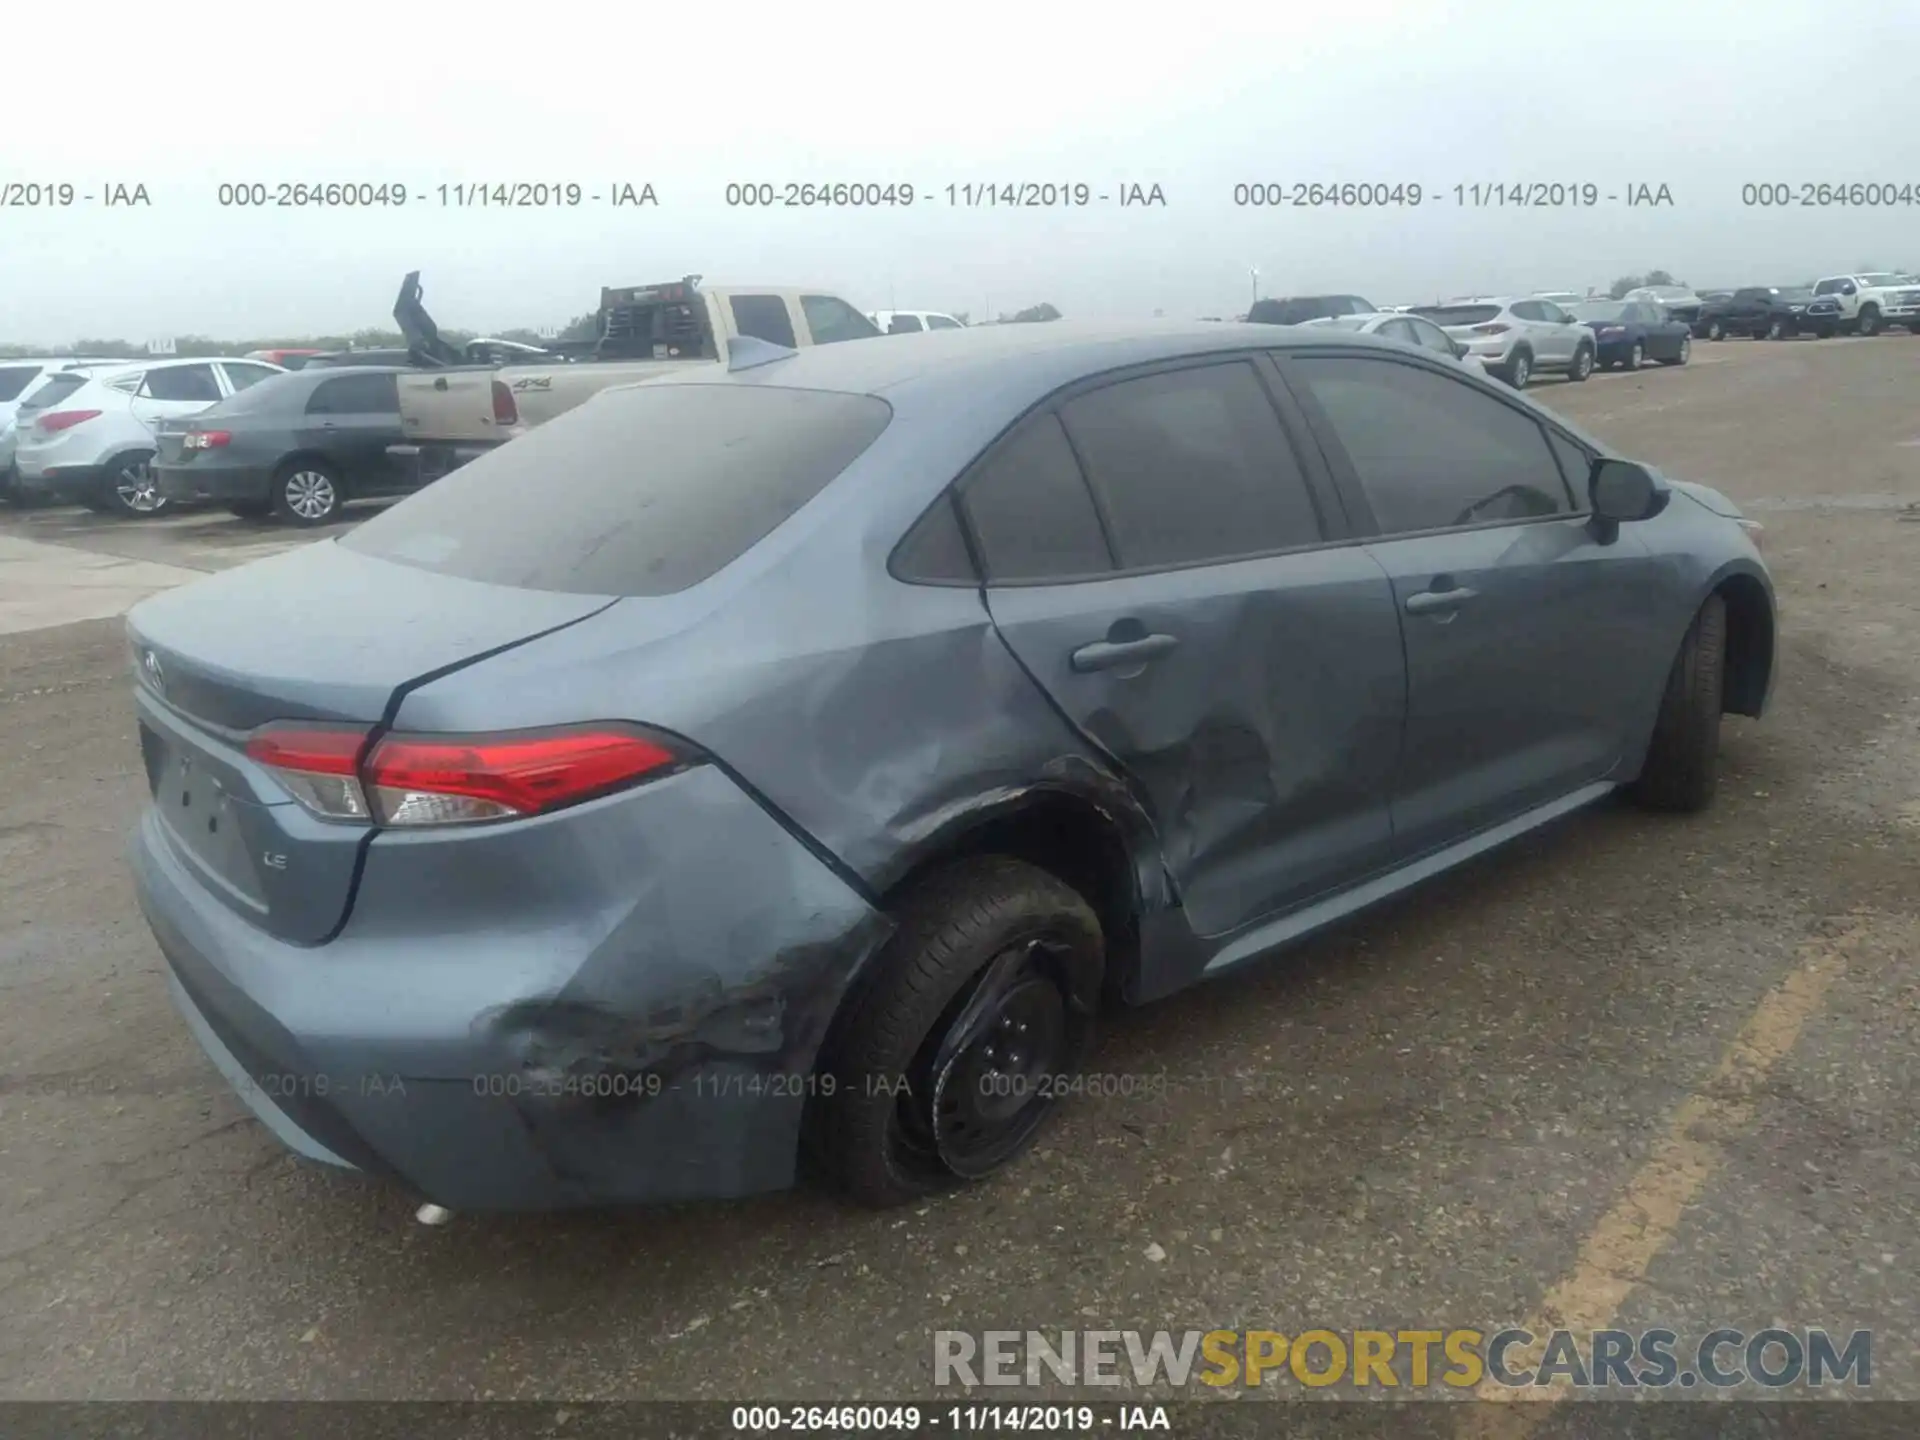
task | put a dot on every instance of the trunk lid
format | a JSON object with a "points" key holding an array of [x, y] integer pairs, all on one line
{"points": [[321, 634]]}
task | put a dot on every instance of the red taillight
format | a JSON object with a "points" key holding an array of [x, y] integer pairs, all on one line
{"points": [[505, 412], [56, 421], [453, 779], [1493, 329], [207, 439]]}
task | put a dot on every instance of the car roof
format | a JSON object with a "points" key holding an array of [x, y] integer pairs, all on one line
{"points": [[1029, 360]]}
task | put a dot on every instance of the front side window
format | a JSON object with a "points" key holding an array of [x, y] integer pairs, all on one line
{"points": [[1430, 451], [903, 324], [1192, 465]]}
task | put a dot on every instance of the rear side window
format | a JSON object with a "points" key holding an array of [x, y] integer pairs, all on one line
{"points": [[764, 317], [14, 379], [1433, 451], [644, 491], [1030, 511], [244, 376], [181, 382], [903, 324], [831, 319], [1192, 465], [355, 395]]}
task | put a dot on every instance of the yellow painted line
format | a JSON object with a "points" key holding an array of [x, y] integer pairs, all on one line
{"points": [[1618, 1251]]}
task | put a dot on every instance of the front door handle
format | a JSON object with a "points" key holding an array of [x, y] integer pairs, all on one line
{"points": [[1112, 654], [1429, 602]]}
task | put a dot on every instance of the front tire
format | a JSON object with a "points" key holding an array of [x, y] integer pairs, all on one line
{"points": [[1681, 766], [1776, 329], [1869, 322], [945, 1062], [1582, 364], [305, 492], [1716, 330], [131, 488]]}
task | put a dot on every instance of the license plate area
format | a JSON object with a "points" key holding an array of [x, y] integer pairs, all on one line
{"points": [[209, 823]]}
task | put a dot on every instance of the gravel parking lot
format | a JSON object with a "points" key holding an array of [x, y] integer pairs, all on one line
{"points": [[1661, 1069]]}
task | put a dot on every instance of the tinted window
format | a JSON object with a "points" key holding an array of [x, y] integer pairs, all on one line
{"points": [[832, 319], [242, 376], [764, 317], [1605, 310], [1458, 314], [934, 549], [1030, 510], [53, 390], [355, 395], [1431, 451], [181, 382], [899, 324], [14, 378], [640, 491], [277, 392], [1550, 311], [1529, 309], [1575, 466], [1192, 465], [1397, 330], [941, 322]]}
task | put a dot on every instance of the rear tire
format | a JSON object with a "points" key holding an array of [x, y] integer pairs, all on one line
{"points": [[966, 932], [1519, 370], [131, 488], [306, 492], [1681, 769], [1776, 329]]}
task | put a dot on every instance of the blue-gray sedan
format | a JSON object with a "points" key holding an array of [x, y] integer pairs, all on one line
{"points": [[779, 765]]}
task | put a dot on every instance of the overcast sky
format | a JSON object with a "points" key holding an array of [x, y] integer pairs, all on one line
{"points": [[1700, 96]]}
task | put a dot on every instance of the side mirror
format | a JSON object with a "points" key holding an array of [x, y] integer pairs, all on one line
{"points": [[1622, 491], [1459, 349]]}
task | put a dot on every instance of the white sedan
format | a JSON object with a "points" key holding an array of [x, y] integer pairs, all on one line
{"points": [[1411, 330]]}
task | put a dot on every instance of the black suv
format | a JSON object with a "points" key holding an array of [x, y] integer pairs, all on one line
{"points": [[1298, 309], [1770, 312]]}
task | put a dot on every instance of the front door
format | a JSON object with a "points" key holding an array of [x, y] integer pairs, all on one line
{"points": [[1524, 632], [1157, 559]]}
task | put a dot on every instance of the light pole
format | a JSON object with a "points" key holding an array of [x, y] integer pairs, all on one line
{"points": [[1253, 273]]}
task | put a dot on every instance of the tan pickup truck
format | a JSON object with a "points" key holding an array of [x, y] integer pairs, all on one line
{"points": [[452, 410]]}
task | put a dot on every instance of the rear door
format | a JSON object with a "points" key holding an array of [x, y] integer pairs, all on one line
{"points": [[1169, 569], [174, 390], [352, 418], [1530, 645]]}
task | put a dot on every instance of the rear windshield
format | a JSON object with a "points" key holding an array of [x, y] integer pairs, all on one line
{"points": [[55, 389], [1602, 310], [14, 379], [641, 491], [1458, 314]]}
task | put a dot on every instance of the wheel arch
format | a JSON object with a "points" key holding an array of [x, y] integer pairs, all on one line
{"points": [[1098, 841], [1751, 640]]}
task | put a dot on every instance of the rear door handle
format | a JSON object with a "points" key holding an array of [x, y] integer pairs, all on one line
{"points": [[1111, 654], [1427, 602]]}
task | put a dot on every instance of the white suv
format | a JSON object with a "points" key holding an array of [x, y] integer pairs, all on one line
{"points": [[87, 436], [1517, 339], [907, 322], [19, 379]]}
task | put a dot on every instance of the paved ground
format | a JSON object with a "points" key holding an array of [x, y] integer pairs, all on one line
{"points": [[1664, 1070]]}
